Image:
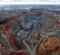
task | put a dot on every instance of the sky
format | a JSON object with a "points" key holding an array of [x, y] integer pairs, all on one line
{"points": [[30, 1]]}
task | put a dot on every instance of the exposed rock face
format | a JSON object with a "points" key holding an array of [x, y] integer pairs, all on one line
{"points": [[2, 47], [51, 44], [27, 27], [33, 39], [11, 39]]}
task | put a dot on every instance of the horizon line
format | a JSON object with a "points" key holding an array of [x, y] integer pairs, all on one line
{"points": [[53, 3]]}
